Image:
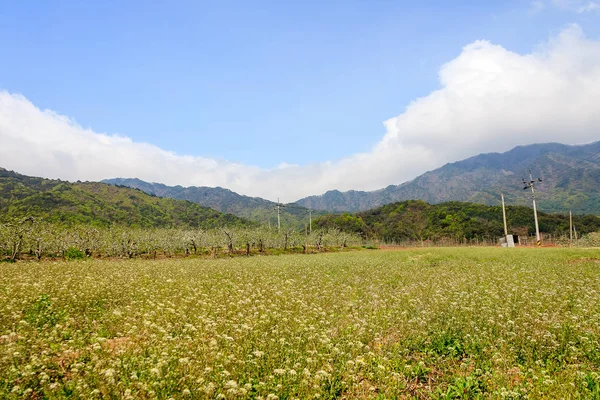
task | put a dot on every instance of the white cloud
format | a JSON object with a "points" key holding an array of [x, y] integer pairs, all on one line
{"points": [[590, 6], [579, 6], [490, 99], [536, 7]]}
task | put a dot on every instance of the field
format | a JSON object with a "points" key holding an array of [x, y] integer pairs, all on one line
{"points": [[427, 323]]}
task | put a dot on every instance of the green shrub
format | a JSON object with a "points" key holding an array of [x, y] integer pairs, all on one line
{"points": [[74, 254]]}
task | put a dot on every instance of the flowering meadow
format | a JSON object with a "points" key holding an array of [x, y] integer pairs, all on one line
{"points": [[429, 323]]}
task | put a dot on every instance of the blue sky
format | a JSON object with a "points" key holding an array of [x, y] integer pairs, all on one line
{"points": [[255, 82], [252, 82]]}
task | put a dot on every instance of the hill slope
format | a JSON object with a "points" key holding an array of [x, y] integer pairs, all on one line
{"points": [[224, 200], [571, 180], [100, 204]]}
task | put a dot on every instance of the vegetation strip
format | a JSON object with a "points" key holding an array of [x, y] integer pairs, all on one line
{"points": [[30, 238]]}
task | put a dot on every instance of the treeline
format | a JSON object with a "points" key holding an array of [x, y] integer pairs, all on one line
{"points": [[32, 238], [418, 220]]}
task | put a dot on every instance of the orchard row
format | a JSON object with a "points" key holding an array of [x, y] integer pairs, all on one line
{"points": [[35, 239]]}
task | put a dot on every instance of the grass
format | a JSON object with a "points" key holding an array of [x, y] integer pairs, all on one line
{"points": [[427, 323]]}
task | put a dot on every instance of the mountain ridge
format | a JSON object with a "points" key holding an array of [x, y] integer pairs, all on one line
{"points": [[100, 204], [225, 200], [572, 181]]}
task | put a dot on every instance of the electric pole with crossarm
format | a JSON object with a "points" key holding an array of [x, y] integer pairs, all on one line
{"points": [[278, 207], [531, 185]]}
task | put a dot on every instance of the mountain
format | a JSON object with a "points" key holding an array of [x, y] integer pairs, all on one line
{"points": [[224, 200], [101, 204], [570, 180], [418, 220]]}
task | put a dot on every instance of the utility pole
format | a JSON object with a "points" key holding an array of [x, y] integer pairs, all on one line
{"points": [[310, 220], [531, 185], [278, 208], [504, 216], [571, 226], [278, 217]]}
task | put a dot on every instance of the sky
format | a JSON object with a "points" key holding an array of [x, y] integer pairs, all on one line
{"points": [[289, 99]]}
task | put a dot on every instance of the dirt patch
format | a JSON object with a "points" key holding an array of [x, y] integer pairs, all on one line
{"points": [[9, 338], [118, 345], [390, 338], [583, 260], [67, 358], [398, 248], [115, 345], [363, 390]]}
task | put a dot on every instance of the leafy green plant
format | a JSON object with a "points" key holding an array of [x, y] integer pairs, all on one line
{"points": [[74, 254], [41, 313]]}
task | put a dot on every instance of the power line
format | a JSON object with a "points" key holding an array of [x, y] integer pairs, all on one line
{"points": [[296, 207], [279, 206], [561, 172], [568, 154], [557, 176]]}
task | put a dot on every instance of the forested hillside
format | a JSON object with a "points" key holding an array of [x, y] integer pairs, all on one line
{"points": [[101, 204], [418, 220]]}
